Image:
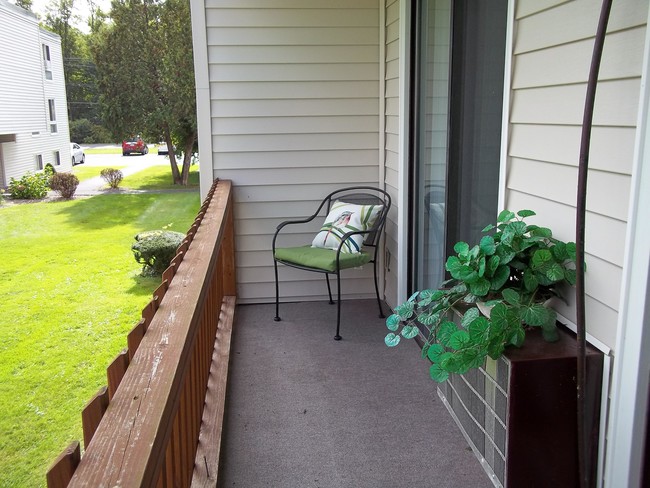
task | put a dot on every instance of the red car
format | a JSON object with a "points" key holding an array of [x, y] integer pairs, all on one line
{"points": [[134, 145]]}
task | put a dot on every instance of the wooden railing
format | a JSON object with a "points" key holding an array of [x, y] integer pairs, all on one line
{"points": [[159, 420]]}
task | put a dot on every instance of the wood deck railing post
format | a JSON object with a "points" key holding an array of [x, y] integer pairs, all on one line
{"points": [[152, 411]]}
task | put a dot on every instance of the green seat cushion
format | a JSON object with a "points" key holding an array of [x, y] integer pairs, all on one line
{"points": [[319, 258]]}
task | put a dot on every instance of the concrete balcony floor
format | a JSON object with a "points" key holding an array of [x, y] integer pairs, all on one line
{"points": [[304, 410]]}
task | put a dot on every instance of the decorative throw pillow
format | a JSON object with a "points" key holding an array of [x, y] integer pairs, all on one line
{"points": [[343, 218]]}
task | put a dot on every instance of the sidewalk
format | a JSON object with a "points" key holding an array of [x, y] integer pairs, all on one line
{"points": [[97, 185]]}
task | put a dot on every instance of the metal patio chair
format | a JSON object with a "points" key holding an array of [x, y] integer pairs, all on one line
{"points": [[351, 246]]}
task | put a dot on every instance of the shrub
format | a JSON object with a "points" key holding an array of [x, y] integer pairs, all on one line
{"points": [[65, 184], [155, 249], [32, 186], [112, 176]]}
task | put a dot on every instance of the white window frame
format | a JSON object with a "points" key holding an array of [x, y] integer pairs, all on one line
{"points": [[40, 166], [57, 158], [51, 105]]}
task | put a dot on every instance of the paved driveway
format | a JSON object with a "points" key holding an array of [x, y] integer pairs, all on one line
{"points": [[133, 164]]}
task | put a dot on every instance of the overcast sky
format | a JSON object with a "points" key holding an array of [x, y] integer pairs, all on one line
{"points": [[80, 9]]}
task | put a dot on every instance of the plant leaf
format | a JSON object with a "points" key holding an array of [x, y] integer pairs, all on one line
{"points": [[518, 336], [464, 273], [478, 329], [530, 282], [413, 297], [570, 276], [541, 260], [469, 316], [488, 228], [434, 352], [481, 266], [459, 339], [492, 265], [505, 216], [559, 251], [571, 249], [461, 248], [392, 322], [555, 272], [438, 374], [526, 213], [410, 331], [445, 332], [487, 245], [500, 277], [480, 287], [392, 340], [429, 318], [511, 296], [541, 232], [535, 315], [550, 335], [405, 310]]}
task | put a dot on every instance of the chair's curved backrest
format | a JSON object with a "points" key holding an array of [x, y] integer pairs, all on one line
{"points": [[364, 195]]}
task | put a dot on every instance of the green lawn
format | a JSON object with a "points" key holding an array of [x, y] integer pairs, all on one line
{"points": [[70, 291], [159, 178]]}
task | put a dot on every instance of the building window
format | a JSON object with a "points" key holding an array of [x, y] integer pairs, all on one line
{"points": [[52, 110], [39, 162], [47, 62], [57, 158]]}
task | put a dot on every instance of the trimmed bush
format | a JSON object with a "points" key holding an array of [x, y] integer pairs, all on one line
{"points": [[112, 176], [155, 249], [32, 186], [65, 184]]}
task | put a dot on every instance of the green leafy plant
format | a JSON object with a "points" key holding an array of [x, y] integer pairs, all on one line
{"points": [[155, 249], [112, 176], [32, 186], [65, 184], [513, 271]]}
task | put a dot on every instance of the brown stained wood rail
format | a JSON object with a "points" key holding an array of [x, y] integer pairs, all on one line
{"points": [[150, 431]]}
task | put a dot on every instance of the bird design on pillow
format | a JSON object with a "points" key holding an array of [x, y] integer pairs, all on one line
{"points": [[340, 221]]}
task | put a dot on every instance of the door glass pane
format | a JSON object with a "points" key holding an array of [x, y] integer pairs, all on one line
{"points": [[459, 100], [432, 138]]}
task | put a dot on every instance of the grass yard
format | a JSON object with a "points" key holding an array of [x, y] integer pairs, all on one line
{"points": [[70, 291], [159, 178]]}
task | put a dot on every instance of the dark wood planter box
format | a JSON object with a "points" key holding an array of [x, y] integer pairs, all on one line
{"points": [[519, 413]]}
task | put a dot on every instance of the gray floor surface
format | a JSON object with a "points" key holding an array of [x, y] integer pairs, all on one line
{"points": [[304, 410]]}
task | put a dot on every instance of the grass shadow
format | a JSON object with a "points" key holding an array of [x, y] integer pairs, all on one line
{"points": [[102, 211]]}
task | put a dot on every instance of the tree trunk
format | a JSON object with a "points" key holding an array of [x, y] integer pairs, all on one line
{"points": [[187, 157], [176, 176]]}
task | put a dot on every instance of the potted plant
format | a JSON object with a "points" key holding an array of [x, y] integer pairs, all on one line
{"points": [[514, 270]]}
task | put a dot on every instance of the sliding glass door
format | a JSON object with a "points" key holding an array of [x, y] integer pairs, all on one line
{"points": [[457, 91]]}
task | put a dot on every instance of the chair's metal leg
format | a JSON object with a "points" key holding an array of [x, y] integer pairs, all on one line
{"points": [[277, 293], [337, 337], [329, 290], [381, 311]]}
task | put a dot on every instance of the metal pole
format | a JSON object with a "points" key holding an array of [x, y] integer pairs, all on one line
{"points": [[584, 454]]}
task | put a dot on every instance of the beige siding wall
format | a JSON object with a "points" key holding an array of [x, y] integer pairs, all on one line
{"points": [[391, 149], [294, 102], [552, 52]]}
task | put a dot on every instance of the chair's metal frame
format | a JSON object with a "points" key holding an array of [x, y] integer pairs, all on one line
{"points": [[358, 195]]}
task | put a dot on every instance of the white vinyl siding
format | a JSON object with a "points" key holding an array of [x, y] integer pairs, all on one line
{"points": [[391, 150], [552, 53], [25, 91], [294, 115]]}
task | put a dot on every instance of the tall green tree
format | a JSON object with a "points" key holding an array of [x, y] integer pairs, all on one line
{"points": [[26, 4], [146, 75], [78, 66]]}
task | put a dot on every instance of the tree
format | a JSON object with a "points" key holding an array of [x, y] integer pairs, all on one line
{"points": [[146, 75], [26, 4], [79, 69]]}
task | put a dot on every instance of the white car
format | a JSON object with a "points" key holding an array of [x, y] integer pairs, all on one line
{"points": [[77, 152]]}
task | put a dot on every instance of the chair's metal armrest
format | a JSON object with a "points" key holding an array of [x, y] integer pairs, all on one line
{"points": [[281, 225]]}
